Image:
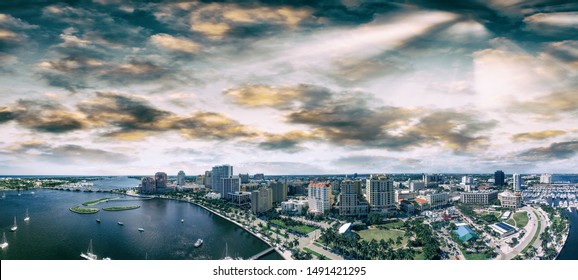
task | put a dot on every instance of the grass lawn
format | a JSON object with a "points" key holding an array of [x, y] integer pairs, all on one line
{"points": [[419, 256], [315, 253], [81, 210], [521, 219], [511, 222], [479, 256], [379, 234], [121, 208], [90, 203], [303, 229]]}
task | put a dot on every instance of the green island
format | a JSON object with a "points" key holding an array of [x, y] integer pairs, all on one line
{"points": [[94, 202], [82, 210], [121, 208]]}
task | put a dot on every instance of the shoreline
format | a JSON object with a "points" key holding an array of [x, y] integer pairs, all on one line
{"points": [[236, 223]]}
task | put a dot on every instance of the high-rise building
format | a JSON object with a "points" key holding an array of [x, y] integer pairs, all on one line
{"points": [[200, 180], [517, 182], [148, 185], [320, 197], [279, 191], [231, 185], [181, 178], [546, 179], [431, 179], [499, 178], [415, 186], [244, 178], [219, 172], [161, 180], [259, 176], [261, 200], [380, 194], [350, 199], [208, 180]]}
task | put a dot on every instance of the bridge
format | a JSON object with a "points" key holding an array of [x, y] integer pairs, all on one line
{"points": [[267, 251]]}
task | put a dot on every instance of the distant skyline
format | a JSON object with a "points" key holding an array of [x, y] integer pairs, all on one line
{"points": [[111, 87]]}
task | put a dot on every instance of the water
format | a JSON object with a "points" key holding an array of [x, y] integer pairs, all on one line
{"points": [[55, 233], [570, 251]]}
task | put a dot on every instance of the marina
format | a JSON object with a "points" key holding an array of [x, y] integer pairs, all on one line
{"points": [[556, 195]]}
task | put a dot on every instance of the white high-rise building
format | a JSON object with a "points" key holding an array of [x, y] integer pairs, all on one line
{"points": [[546, 179], [320, 197], [217, 174], [231, 185], [517, 182], [181, 178], [380, 194]]}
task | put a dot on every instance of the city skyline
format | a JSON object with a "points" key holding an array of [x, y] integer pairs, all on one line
{"points": [[110, 87]]}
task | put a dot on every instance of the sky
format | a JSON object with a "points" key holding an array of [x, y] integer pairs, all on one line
{"points": [[111, 87]]}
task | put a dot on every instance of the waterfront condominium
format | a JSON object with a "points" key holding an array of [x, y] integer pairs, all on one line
{"points": [[148, 185], [231, 185], [320, 197], [380, 194], [181, 178], [161, 181], [279, 191], [261, 200], [517, 182], [217, 174]]}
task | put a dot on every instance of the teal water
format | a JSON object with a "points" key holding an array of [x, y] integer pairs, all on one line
{"points": [[55, 233]]}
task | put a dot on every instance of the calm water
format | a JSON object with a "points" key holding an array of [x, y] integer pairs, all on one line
{"points": [[570, 250], [54, 232]]}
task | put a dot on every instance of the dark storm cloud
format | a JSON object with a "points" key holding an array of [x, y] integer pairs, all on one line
{"points": [[124, 112], [42, 116], [556, 151], [134, 119], [66, 154], [288, 142], [355, 119]]}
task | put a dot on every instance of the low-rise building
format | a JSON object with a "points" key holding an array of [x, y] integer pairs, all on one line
{"points": [[465, 233], [437, 200], [510, 199], [503, 229], [295, 207], [478, 197]]}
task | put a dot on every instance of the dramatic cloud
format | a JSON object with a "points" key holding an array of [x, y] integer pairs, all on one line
{"points": [[43, 116], [288, 142], [354, 118], [335, 86], [556, 151], [550, 106], [537, 135], [67, 154], [177, 44]]}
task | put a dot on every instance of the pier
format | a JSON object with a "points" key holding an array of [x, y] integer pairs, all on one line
{"points": [[265, 252]]}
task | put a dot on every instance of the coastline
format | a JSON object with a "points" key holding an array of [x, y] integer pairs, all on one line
{"points": [[238, 224]]}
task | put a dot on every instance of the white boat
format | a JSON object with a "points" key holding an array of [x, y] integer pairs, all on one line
{"points": [[120, 223], [227, 257], [15, 226], [140, 229], [4, 195], [4, 243], [89, 255], [98, 219], [27, 218], [182, 220], [198, 243]]}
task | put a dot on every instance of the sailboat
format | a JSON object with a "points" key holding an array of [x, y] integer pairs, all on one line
{"points": [[89, 255], [4, 243], [227, 257], [15, 226], [27, 218], [98, 219]]}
